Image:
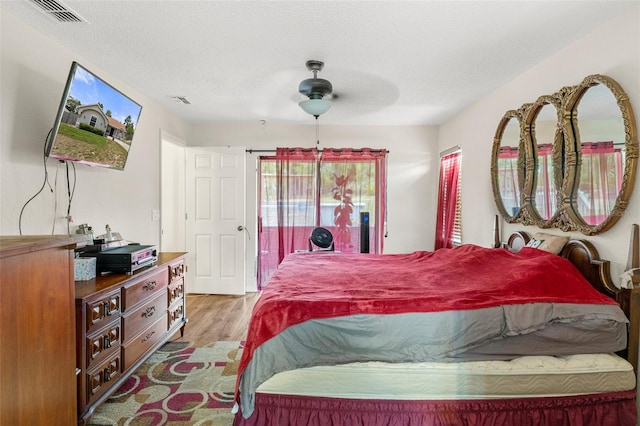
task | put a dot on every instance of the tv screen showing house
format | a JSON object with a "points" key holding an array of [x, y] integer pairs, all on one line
{"points": [[95, 123]]}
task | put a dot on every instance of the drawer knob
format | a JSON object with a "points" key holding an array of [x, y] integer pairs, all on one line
{"points": [[149, 312], [149, 286], [107, 341], [148, 336]]}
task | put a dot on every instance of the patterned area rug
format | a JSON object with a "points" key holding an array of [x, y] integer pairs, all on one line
{"points": [[179, 384]]}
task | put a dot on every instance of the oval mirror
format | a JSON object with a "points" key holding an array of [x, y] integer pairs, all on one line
{"points": [[545, 138], [605, 141], [507, 166]]}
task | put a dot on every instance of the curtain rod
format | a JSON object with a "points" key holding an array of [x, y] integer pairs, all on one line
{"points": [[450, 150], [251, 151]]}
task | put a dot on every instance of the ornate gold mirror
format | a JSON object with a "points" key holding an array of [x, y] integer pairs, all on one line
{"points": [[544, 135], [568, 160], [603, 133], [507, 166]]}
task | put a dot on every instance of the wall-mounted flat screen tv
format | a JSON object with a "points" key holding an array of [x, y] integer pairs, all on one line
{"points": [[95, 123]]}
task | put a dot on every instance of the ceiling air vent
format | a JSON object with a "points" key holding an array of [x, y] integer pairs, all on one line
{"points": [[180, 100], [56, 10]]}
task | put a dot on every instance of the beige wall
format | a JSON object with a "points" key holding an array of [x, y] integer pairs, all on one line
{"points": [[613, 50], [34, 70]]}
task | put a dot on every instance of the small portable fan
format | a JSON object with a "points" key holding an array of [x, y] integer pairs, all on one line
{"points": [[322, 238]]}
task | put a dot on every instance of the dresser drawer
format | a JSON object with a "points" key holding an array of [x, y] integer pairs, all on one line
{"points": [[175, 314], [139, 290], [176, 291], [176, 271], [100, 345], [98, 380], [103, 310], [134, 349], [143, 316]]}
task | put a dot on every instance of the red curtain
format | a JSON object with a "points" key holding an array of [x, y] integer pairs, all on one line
{"points": [[447, 199], [545, 188], [351, 182], [508, 179], [301, 189], [287, 206], [600, 180]]}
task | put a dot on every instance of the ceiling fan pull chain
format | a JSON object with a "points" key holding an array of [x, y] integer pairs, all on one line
{"points": [[317, 132]]}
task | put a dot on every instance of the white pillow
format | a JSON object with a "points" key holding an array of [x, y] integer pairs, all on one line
{"points": [[547, 242]]}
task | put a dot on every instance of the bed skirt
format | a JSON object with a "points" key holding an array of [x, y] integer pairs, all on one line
{"points": [[614, 409]]}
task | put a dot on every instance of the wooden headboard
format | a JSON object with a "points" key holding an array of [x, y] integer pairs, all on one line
{"points": [[585, 257]]}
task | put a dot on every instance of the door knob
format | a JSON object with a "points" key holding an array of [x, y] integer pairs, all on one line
{"points": [[242, 228]]}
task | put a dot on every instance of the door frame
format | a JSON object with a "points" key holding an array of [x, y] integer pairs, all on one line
{"points": [[172, 193], [215, 227], [168, 200]]}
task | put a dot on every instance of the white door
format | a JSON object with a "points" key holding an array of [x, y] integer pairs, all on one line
{"points": [[215, 188]]}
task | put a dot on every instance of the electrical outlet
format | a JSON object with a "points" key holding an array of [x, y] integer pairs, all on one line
{"points": [[155, 215]]}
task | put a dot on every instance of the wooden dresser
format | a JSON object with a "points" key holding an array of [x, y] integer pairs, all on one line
{"points": [[37, 339], [122, 319]]}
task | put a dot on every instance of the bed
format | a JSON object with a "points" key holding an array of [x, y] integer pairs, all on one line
{"points": [[430, 338]]}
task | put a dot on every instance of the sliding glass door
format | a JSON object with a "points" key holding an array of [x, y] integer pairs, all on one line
{"points": [[302, 188]]}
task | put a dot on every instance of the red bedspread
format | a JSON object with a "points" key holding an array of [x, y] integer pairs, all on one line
{"points": [[324, 285]]}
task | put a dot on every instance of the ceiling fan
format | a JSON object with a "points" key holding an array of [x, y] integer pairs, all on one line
{"points": [[315, 89]]}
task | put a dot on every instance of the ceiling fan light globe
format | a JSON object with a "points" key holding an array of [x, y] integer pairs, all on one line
{"points": [[315, 107]]}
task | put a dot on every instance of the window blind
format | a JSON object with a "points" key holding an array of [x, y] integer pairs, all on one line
{"points": [[456, 238]]}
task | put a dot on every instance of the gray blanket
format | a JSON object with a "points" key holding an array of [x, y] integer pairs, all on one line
{"points": [[503, 332]]}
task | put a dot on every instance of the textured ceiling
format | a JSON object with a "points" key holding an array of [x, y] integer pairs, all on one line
{"points": [[390, 62]]}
